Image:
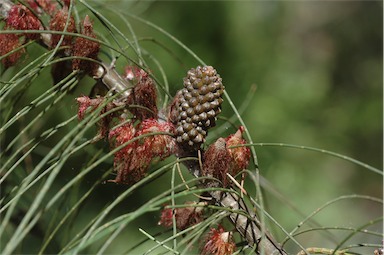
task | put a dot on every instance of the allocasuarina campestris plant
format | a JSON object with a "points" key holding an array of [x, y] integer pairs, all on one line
{"points": [[135, 127]]}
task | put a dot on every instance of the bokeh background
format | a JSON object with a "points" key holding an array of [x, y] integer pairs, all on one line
{"points": [[317, 69]]}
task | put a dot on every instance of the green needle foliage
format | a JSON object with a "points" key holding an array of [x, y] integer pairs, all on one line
{"points": [[307, 73]]}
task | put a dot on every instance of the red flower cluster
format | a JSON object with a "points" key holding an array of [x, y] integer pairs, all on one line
{"points": [[85, 48], [9, 42], [133, 160], [20, 17], [219, 160], [218, 242], [59, 22], [185, 217], [143, 97]]}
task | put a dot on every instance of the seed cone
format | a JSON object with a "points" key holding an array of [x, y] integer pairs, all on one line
{"points": [[198, 106]]}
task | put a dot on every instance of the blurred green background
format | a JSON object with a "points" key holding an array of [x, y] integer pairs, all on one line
{"points": [[318, 68]]}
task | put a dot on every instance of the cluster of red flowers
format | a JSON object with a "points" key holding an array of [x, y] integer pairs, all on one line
{"points": [[133, 160], [184, 217], [220, 160], [216, 242], [20, 17], [143, 94], [142, 138]]}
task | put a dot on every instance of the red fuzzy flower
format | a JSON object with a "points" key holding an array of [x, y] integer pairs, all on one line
{"points": [[218, 242], [20, 18], [86, 102], [132, 161], [240, 155], [143, 94], [123, 157], [185, 217], [104, 123], [9, 42], [166, 217], [57, 23], [85, 48], [68, 2], [219, 160]]}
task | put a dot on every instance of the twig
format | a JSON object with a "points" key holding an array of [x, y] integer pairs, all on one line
{"points": [[315, 250]]}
